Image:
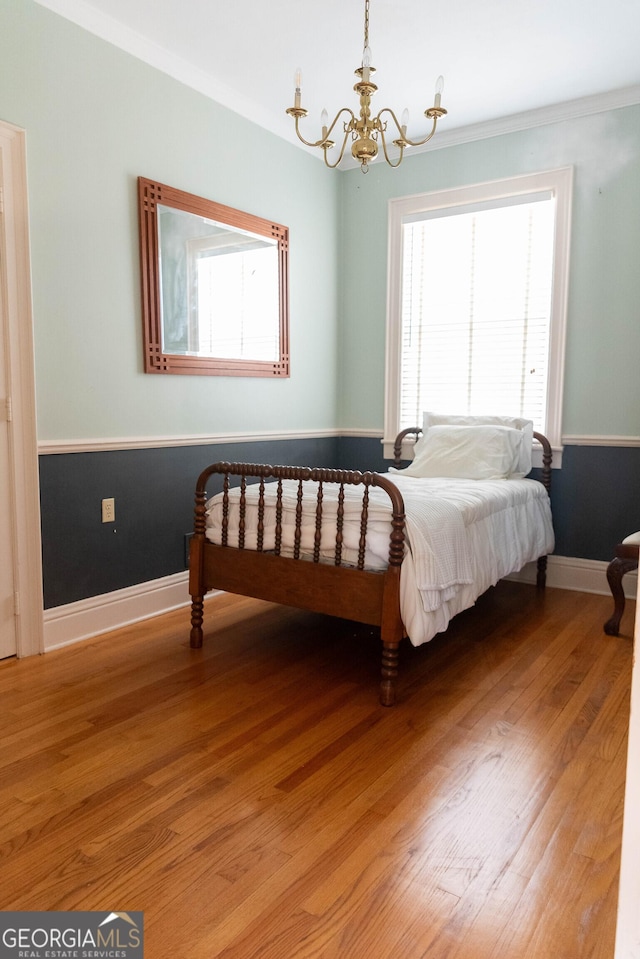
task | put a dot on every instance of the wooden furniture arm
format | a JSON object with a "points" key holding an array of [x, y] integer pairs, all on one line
{"points": [[625, 561]]}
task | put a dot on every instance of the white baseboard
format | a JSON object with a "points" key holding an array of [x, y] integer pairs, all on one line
{"points": [[64, 625], [68, 624], [583, 575]]}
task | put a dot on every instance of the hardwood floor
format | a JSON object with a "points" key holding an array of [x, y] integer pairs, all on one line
{"points": [[254, 800]]}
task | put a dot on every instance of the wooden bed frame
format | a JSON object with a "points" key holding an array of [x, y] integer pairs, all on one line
{"points": [[347, 591]]}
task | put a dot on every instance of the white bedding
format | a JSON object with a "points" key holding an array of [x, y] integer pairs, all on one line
{"points": [[462, 536]]}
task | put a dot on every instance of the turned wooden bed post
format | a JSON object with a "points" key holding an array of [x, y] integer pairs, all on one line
{"points": [[196, 563], [547, 455], [397, 446], [391, 626]]}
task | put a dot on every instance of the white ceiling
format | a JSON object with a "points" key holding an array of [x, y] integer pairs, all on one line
{"points": [[499, 58]]}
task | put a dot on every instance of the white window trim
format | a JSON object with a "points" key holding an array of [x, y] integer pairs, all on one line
{"points": [[559, 183]]}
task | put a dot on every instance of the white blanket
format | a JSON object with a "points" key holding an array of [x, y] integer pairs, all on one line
{"points": [[462, 536]]}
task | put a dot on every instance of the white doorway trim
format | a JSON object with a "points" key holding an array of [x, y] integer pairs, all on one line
{"points": [[23, 452]]}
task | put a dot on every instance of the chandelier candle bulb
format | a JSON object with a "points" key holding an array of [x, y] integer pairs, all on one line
{"points": [[298, 84], [324, 120], [439, 89], [366, 64]]}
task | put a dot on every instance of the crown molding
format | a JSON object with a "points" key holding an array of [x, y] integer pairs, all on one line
{"points": [[530, 119], [130, 41], [113, 31]]}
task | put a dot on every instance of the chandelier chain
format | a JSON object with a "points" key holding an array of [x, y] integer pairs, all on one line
{"points": [[366, 24]]}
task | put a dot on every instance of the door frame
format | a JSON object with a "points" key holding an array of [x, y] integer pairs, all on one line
{"points": [[24, 489]]}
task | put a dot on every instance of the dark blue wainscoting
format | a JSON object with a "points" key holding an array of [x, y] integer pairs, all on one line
{"points": [[153, 491], [596, 502], [595, 499]]}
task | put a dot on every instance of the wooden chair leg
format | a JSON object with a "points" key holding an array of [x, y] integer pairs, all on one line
{"points": [[615, 571]]}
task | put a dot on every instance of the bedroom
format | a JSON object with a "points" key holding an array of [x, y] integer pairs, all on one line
{"points": [[96, 118], [97, 425]]}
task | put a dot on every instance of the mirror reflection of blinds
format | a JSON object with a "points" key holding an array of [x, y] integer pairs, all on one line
{"points": [[476, 309], [236, 294]]}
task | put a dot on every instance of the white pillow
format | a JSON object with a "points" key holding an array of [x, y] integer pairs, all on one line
{"points": [[467, 452], [523, 467]]}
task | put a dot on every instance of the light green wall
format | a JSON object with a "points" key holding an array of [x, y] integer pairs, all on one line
{"points": [[97, 118], [602, 386]]}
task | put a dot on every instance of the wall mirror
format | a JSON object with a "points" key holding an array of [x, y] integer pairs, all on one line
{"points": [[215, 287]]}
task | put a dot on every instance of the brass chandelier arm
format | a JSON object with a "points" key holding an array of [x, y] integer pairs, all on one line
{"points": [[296, 113], [418, 143], [329, 143], [403, 140], [399, 143], [324, 141], [382, 124], [348, 125]]}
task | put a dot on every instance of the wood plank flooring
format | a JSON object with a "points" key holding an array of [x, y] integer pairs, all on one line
{"points": [[254, 800]]}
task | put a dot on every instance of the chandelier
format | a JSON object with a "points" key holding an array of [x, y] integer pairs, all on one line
{"points": [[364, 130]]}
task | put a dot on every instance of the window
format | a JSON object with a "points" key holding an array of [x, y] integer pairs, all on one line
{"points": [[477, 302]]}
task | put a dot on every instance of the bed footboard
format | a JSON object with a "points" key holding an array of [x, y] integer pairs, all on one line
{"points": [[300, 575]]}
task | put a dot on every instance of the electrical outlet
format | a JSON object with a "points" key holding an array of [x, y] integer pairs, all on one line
{"points": [[109, 510]]}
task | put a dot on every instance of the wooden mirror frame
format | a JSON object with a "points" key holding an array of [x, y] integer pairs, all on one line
{"points": [[150, 194]]}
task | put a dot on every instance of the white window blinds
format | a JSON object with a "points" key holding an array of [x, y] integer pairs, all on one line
{"points": [[236, 309], [477, 302], [476, 309]]}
